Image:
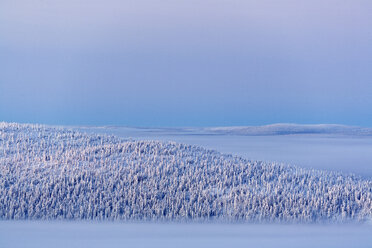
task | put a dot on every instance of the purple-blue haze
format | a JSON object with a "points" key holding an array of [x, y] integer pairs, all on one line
{"points": [[186, 62]]}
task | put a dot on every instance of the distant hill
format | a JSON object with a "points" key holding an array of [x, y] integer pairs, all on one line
{"points": [[273, 129], [57, 173], [285, 129]]}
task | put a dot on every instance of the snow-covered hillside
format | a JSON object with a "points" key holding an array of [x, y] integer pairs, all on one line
{"points": [[55, 173]]}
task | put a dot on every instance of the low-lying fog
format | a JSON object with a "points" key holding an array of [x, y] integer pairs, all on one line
{"points": [[107, 234]]}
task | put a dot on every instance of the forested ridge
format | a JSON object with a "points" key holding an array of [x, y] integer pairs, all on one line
{"points": [[57, 173]]}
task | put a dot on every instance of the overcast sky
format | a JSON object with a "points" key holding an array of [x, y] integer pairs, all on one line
{"points": [[186, 62]]}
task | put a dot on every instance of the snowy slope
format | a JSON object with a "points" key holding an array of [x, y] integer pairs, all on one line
{"points": [[55, 173], [345, 152]]}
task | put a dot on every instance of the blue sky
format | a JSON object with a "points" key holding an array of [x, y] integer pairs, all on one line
{"points": [[186, 63]]}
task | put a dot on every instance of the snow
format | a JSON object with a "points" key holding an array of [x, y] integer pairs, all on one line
{"points": [[19, 234], [323, 150], [54, 173], [40, 168]]}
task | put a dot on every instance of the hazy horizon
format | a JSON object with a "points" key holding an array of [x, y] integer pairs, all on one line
{"points": [[189, 126]]}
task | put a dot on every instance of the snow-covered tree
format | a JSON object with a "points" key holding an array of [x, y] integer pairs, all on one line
{"points": [[55, 173]]}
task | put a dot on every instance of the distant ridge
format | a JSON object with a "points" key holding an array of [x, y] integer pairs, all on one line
{"points": [[288, 128], [272, 129]]}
